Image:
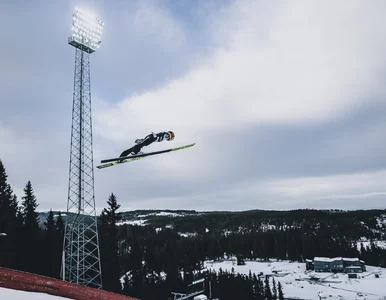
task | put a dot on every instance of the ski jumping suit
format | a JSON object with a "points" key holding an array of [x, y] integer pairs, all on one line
{"points": [[149, 139]]}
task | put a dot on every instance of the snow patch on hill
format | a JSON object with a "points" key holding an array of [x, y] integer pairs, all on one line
{"points": [[133, 222], [367, 243], [142, 219], [187, 234]]}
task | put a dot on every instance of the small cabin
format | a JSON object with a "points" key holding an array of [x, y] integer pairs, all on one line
{"points": [[309, 264]]}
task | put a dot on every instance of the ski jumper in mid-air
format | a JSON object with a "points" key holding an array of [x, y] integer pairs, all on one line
{"points": [[147, 140], [139, 144]]}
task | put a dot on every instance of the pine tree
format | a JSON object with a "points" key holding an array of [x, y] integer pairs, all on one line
{"points": [[18, 210], [362, 249], [109, 244], [31, 242], [59, 225], [52, 248], [274, 289], [8, 204], [9, 223], [280, 291], [50, 224], [260, 289], [267, 289], [29, 204]]}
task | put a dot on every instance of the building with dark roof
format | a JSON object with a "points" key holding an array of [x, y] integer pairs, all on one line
{"points": [[336, 264]]}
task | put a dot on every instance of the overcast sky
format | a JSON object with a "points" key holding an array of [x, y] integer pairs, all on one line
{"points": [[284, 99]]}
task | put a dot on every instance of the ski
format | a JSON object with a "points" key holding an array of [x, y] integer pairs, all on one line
{"points": [[119, 160]]}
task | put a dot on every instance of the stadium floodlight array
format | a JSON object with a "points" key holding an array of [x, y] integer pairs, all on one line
{"points": [[86, 31], [80, 257]]}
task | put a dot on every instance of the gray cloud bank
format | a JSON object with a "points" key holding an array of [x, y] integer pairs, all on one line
{"points": [[285, 102]]}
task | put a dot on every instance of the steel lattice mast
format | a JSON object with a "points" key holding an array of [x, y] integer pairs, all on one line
{"points": [[80, 261]]}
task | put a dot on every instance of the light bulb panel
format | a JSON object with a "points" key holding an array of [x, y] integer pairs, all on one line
{"points": [[86, 30]]}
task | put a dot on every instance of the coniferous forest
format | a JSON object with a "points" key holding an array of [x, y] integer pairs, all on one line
{"points": [[150, 262]]}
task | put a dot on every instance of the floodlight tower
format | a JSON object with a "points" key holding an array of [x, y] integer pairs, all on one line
{"points": [[80, 261]]}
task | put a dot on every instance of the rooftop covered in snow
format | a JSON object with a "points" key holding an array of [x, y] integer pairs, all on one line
{"points": [[326, 259]]}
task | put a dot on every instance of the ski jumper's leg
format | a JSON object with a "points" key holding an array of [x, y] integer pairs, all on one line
{"points": [[133, 150], [146, 142], [126, 152]]}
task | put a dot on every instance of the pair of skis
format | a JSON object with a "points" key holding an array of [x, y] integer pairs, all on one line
{"points": [[120, 160]]}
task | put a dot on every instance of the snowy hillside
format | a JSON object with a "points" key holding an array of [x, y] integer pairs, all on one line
{"points": [[369, 224], [142, 217], [367, 243], [298, 284], [10, 294]]}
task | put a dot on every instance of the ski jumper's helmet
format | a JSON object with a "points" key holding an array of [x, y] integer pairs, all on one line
{"points": [[171, 135]]}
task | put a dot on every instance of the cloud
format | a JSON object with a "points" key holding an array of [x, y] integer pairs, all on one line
{"points": [[154, 22], [306, 70], [304, 65], [335, 186], [5, 133], [277, 96], [360, 190]]}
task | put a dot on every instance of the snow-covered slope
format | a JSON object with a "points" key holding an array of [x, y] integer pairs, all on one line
{"points": [[297, 282], [367, 243], [141, 218], [9, 294]]}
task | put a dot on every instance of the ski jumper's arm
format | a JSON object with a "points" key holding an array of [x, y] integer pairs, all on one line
{"points": [[162, 136]]}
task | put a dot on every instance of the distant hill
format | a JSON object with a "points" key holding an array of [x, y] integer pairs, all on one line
{"points": [[43, 216], [354, 224]]}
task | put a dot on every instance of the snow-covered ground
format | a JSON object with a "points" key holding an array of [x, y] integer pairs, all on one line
{"points": [[187, 234], [297, 284], [142, 220], [162, 214], [9, 294], [133, 222]]}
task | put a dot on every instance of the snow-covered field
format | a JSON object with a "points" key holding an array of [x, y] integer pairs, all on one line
{"points": [[141, 220], [297, 284], [9, 294]]}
